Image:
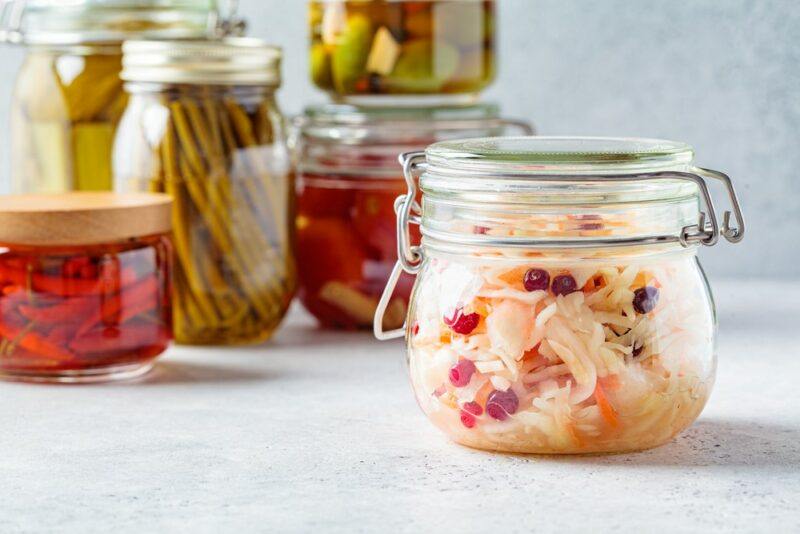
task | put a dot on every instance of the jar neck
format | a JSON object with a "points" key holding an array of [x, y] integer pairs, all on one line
{"points": [[178, 90]]}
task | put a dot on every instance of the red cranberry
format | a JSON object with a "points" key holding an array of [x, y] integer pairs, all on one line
{"points": [[536, 280], [467, 419], [645, 299], [461, 323], [563, 285], [461, 373], [415, 329], [472, 407], [501, 404]]}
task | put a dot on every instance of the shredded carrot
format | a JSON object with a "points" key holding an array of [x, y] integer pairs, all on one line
{"points": [[483, 393], [514, 276], [607, 411], [610, 382]]}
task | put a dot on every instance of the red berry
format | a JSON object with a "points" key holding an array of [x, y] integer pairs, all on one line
{"points": [[563, 285], [461, 323], [536, 280], [473, 407], [461, 373], [501, 404], [467, 419], [415, 329]]}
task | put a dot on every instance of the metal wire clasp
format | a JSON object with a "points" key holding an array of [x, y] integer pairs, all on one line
{"points": [[409, 256]]}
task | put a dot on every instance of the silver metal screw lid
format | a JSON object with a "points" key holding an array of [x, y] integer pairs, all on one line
{"points": [[231, 61]]}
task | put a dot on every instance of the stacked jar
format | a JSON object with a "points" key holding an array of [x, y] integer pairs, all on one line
{"points": [[68, 96], [402, 75]]}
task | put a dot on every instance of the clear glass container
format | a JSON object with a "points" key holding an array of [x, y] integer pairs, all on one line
{"points": [[68, 96], [85, 285], [559, 306], [440, 51], [347, 182], [203, 125]]}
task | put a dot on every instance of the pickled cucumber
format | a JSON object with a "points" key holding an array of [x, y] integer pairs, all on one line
{"points": [[423, 67], [411, 47], [350, 56], [321, 67]]}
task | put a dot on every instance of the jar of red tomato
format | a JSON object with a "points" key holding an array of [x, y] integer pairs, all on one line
{"points": [[347, 183], [85, 283]]}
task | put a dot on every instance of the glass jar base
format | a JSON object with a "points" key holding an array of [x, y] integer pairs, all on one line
{"points": [[112, 373], [408, 101]]}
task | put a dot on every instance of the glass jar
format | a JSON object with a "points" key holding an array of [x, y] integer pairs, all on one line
{"points": [[68, 96], [559, 306], [202, 124], [85, 285], [438, 51], [347, 182]]}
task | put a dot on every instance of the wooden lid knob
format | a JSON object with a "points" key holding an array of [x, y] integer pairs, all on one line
{"points": [[94, 218]]}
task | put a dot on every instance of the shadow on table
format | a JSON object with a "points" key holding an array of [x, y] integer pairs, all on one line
{"points": [[716, 442], [196, 373]]}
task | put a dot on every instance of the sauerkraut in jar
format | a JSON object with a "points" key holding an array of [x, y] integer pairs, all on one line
{"points": [[559, 305]]}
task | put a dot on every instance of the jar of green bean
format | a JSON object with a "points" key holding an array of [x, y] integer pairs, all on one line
{"points": [[202, 124]]}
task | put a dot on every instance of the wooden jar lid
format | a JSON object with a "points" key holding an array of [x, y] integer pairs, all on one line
{"points": [[83, 218]]}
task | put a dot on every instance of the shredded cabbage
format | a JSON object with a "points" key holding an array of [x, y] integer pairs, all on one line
{"points": [[591, 371]]}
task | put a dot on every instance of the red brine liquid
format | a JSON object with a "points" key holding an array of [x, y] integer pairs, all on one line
{"points": [[346, 248], [78, 314]]}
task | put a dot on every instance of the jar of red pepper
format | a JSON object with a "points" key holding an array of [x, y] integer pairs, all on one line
{"points": [[347, 183], [85, 283]]}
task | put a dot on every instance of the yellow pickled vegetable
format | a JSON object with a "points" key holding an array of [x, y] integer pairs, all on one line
{"points": [[67, 105]]}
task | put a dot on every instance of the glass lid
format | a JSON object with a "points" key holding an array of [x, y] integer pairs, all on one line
{"points": [[553, 155], [559, 170], [68, 22]]}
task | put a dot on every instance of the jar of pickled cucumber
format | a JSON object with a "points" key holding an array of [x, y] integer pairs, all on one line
{"points": [[68, 95], [559, 305], [202, 124], [347, 182], [431, 51]]}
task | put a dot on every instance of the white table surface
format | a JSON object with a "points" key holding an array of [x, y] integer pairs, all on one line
{"points": [[318, 431]]}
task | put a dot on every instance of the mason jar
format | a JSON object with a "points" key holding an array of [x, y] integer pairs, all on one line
{"points": [[374, 51], [68, 96], [203, 125], [347, 182], [559, 305], [85, 285]]}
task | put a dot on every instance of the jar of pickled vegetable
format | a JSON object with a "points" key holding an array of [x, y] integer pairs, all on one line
{"points": [[202, 124], [68, 95], [348, 180], [433, 51], [559, 306], [85, 283]]}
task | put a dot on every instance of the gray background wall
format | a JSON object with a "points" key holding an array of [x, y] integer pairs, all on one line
{"points": [[723, 75]]}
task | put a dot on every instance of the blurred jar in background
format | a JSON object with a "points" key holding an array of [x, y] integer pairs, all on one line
{"points": [[348, 179], [68, 96]]}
